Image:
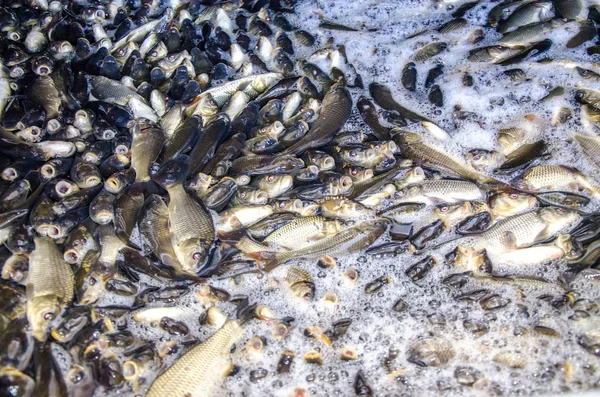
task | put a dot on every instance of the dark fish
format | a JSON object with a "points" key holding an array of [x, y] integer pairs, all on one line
{"points": [[427, 233], [536, 49], [587, 32], [409, 76], [204, 150], [335, 110], [368, 112], [524, 155], [383, 97]]}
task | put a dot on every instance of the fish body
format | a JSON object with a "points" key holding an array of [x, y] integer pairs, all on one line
{"points": [[50, 286], [195, 373]]}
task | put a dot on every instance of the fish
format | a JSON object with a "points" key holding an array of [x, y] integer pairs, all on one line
{"points": [[519, 233], [348, 240], [552, 177], [192, 228], [50, 286], [335, 110], [439, 191], [412, 146], [208, 360]]}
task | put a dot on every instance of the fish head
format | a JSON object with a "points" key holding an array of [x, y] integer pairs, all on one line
{"points": [[207, 106], [449, 213], [41, 310], [288, 162], [193, 254], [509, 203], [481, 159], [304, 290], [571, 247], [407, 193], [557, 218], [277, 184], [415, 175], [89, 288]]}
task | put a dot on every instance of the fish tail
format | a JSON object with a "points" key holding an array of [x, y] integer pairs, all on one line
{"points": [[245, 311], [270, 261]]}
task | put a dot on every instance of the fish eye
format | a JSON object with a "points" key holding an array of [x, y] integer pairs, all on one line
{"points": [[573, 252], [354, 172], [172, 57], [352, 153], [49, 316], [154, 53], [242, 195], [476, 157], [84, 240], [271, 178], [513, 196], [560, 210], [401, 193], [196, 256], [444, 209], [121, 52]]}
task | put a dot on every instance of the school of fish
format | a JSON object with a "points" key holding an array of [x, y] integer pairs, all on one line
{"points": [[299, 198]]}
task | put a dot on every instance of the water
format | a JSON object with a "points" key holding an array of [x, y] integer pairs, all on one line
{"points": [[552, 364]]}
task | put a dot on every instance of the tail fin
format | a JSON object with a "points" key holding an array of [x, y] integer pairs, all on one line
{"points": [[245, 311], [173, 171], [272, 261]]}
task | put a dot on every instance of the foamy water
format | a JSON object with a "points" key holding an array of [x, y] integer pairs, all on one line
{"points": [[553, 364]]}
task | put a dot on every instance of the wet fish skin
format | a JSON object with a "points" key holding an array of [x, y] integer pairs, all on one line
{"points": [[208, 361], [412, 147], [526, 14], [192, 228], [49, 286], [348, 240], [335, 110], [148, 141]]}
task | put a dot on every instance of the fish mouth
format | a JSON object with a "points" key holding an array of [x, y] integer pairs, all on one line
{"points": [[54, 231], [63, 188], [43, 229], [9, 174], [91, 157], [92, 181], [104, 217], [328, 164], [112, 185], [43, 71], [71, 256], [262, 197], [53, 125]]}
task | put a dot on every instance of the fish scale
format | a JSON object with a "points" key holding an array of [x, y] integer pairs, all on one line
{"points": [[187, 219], [553, 177], [48, 272], [442, 190], [591, 148], [193, 374], [299, 232], [154, 227], [346, 241], [412, 147]]}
